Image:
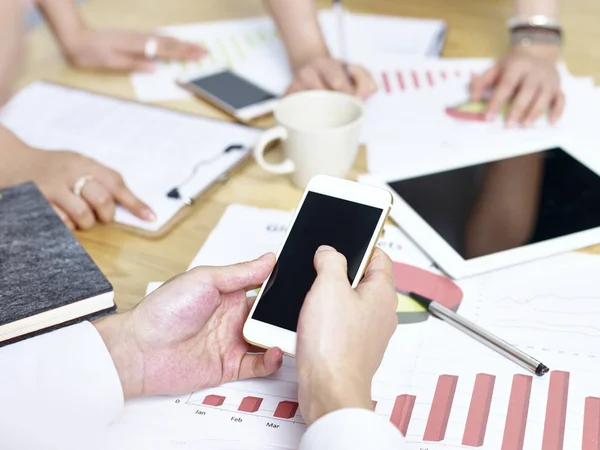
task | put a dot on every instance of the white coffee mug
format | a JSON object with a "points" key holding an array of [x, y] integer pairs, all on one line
{"points": [[320, 132]]}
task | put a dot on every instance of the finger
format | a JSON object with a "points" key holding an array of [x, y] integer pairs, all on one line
{"points": [[240, 276], [63, 216], [134, 205], [335, 76], [296, 86], [525, 97], [482, 83], [256, 349], [310, 78], [170, 48], [77, 209], [260, 365], [121, 193], [124, 62], [557, 108], [100, 199], [503, 92], [380, 272], [330, 264], [538, 107], [364, 84]]}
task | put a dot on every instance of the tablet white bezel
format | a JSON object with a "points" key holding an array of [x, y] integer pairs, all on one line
{"points": [[453, 263]]}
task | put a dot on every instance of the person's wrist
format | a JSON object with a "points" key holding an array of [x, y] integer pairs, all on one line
{"points": [[301, 60], [550, 52], [116, 332], [332, 394], [72, 40]]}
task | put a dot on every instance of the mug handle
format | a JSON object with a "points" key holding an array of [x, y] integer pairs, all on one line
{"points": [[265, 139]]}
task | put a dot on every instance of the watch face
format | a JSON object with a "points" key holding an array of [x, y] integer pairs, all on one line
{"points": [[528, 35]]}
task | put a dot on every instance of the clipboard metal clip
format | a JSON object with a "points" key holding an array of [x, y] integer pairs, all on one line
{"points": [[175, 193]]}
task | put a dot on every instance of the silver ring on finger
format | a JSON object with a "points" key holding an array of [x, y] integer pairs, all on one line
{"points": [[151, 48], [80, 183]]}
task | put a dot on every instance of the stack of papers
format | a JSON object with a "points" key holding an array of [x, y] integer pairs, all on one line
{"points": [[440, 387], [417, 121], [253, 48]]}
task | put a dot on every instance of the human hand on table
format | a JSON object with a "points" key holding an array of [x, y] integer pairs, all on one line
{"points": [[56, 172], [124, 50], [187, 335], [343, 334], [324, 72], [527, 80]]}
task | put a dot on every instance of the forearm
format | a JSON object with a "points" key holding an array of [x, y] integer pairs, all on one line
{"points": [[12, 24], [64, 20], [299, 27], [528, 8], [14, 156]]}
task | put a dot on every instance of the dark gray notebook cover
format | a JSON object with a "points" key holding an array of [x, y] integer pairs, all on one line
{"points": [[42, 266]]}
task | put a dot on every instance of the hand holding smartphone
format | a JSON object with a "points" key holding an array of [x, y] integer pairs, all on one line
{"points": [[342, 214]]}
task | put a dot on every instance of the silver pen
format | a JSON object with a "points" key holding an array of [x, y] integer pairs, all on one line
{"points": [[339, 12], [476, 332]]}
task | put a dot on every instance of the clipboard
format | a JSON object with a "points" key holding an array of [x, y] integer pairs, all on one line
{"points": [[66, 119]]}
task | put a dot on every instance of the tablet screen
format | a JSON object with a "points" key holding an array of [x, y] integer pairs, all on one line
{"points": [[487, 208]]}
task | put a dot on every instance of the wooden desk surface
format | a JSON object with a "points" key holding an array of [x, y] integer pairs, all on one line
{"points": [[476, 29]]}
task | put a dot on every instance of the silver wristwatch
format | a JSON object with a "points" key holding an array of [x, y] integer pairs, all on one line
{"points": [[538, 29]]}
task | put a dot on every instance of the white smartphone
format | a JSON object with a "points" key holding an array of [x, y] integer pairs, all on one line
{"points": [[343, 214], [230, 92]]}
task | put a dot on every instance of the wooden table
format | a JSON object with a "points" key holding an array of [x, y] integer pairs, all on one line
{"points": [[476, 29]]}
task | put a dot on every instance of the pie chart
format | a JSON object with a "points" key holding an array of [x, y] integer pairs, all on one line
{"points": [[472, 111], [409, 278]]}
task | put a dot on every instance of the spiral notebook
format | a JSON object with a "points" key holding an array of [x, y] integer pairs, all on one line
{"points": [[167, 158]]}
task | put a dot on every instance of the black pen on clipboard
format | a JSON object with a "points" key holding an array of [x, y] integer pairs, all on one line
{"points": [[339, 14], [176, 192]]}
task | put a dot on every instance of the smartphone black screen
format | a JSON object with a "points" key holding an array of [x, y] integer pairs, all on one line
{"points": [[232, 89], [323, 220]]}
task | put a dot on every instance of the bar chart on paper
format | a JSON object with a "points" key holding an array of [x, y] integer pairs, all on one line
{"points": [[468, 396]]}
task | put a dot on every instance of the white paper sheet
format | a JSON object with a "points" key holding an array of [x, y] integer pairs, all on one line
{"points": [[549, 309], [153, 149], [407, 125], [253, 48]]}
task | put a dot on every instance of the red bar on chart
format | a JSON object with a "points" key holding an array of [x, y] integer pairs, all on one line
{"points": [[386, 82], [286, 410], [415, 78], [591, 424], [479, 410], [457, 73], [401, 84], [430, 78], [516, 415], [250, 404], [443, 74], [435, 431], [556, 411], [213, 400], [403, 408]]}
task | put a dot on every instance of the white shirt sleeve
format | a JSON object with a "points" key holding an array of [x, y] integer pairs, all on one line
{"points": [[352, 428], [57, 388]]}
